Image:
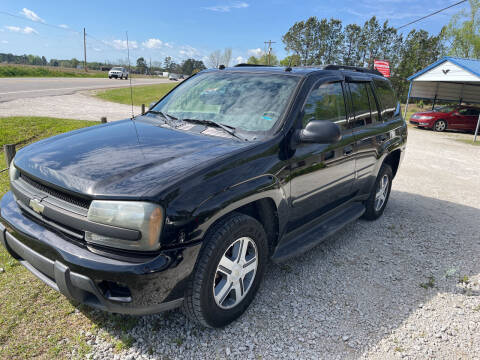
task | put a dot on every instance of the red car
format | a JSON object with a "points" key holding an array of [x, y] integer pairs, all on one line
{"points": [[447, 117]]}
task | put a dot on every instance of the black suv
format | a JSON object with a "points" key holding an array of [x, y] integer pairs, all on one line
{"points": [[185, 205]]}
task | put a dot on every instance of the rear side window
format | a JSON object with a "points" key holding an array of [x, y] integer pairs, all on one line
{"points": [[325, 102], [360, 103], [387, 98]]}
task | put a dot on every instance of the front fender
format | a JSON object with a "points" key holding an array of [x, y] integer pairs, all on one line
{"points": [[238, 195]]}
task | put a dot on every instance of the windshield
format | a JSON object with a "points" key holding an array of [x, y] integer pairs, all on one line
{"points": [[445, 109], [117, 69], [252, 102]]}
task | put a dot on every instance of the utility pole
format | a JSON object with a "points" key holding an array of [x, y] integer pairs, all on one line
{"points": [[84, 50], [269, 50], [150, 71]]}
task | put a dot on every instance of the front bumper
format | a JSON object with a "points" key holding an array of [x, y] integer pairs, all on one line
{"points": [[155, 285], [420, 123]]}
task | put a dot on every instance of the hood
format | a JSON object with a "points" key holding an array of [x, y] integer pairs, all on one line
{"points": [[121, 159]]}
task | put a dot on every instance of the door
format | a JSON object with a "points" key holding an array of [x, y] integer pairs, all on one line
{"points": [[466, 119], [472, 120], [322, 174], [369, 131]]}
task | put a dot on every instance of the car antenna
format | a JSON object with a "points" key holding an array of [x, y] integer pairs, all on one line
{"points": [[130, 74]]}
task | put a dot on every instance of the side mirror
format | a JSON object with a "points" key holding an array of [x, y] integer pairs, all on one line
{"points": [[321, 132]]}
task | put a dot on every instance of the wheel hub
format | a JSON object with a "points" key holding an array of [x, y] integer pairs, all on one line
{"points": [[235, 273]]}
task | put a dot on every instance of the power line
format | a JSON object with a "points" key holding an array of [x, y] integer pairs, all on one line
{"points": [[434, 13]]}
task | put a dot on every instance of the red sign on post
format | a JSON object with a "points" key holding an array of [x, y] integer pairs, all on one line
{"points": [[382, 66]]}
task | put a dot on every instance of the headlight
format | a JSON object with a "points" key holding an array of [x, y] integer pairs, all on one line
{"points": [[12, 172], [142, 216], [424, 117]]}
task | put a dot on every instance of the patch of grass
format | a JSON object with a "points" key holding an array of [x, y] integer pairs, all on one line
{"points": [[179, 341], [124, 343], [464, 280], [476, 308], [141, 94], [398, 349], [35, 319], [430, 283], [33, 71], [469, 142]]}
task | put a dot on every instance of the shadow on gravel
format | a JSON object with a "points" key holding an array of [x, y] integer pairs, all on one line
{"points": [[336, 301]]}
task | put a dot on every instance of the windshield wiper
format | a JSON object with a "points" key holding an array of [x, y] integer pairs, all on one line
{"points": [[228, 129], [169, 119]]}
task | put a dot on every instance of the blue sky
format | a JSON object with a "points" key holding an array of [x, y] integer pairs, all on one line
{"points": [[185, 28]]}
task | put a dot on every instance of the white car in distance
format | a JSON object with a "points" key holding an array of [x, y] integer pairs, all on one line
{"points": [[118, 73]]}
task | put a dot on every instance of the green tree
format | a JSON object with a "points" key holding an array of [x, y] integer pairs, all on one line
{"points": [[303, 39], [190, 65], [291, 60], [462, 34], [141, 65]]}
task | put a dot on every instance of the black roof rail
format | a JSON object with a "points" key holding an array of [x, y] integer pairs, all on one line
{"points": [[243, 64], [352, 68]]}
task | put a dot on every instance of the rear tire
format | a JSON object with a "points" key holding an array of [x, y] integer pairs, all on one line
{"points": [[239, 242], [440, 125], [377, 201], [121, 77]]}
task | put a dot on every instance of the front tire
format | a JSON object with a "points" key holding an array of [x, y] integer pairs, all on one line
{"points": [[377, 201], [440, 125], [228, 272], [121, 77]]}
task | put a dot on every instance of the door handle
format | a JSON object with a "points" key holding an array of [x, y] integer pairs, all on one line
{"points": [[347, 150]]}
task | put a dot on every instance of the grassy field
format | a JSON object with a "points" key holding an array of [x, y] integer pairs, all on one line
{"points": [[141, 94], [36, 321], [38, 71]]}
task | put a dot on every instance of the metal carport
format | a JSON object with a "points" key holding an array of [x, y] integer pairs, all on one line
{"points": [[448, 79]]}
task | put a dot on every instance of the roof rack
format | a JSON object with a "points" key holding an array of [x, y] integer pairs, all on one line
{"points": [[352, 68], [243, 64]]}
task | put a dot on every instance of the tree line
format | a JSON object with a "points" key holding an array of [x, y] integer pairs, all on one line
{"points": [[186, 67], [329, 41]]}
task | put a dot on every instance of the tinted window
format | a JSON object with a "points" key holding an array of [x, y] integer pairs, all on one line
{"points": [[474, 112], [325, 102], [373, 103], [252, 102], [361, 104], [387, 98]]}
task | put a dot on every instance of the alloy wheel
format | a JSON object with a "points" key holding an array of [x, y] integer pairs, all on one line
{"points": [[235, 273], [382, 192], [440, 125]]}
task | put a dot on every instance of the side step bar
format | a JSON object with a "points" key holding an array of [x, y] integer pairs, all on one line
{"points": [[317, 234]]}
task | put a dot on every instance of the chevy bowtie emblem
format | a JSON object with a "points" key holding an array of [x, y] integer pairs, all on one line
{"points": [[36, 206], [446, 71]]}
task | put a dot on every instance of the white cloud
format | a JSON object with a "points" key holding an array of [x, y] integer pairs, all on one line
{"points": [[255, 52], [25, 30], [29, 14], [153, 43], [188, 51], [240, 60], [4, 42], [122, 44], [227, 8], [63, 26]]}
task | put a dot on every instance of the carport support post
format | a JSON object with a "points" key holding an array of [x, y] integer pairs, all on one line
{"points": [[408, 98], [476, 130]]}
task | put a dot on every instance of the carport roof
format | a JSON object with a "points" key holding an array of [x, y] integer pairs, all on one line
{"points": [[448, 79], [470, 65]]}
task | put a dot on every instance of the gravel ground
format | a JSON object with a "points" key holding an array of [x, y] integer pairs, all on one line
{"points": [[80, 106], [405, 286]]}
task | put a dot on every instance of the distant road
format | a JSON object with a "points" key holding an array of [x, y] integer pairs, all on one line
{"points": [[18, 88]]}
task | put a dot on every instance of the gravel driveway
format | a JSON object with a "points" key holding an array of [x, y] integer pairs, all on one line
{"points": [[406, 285]]}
